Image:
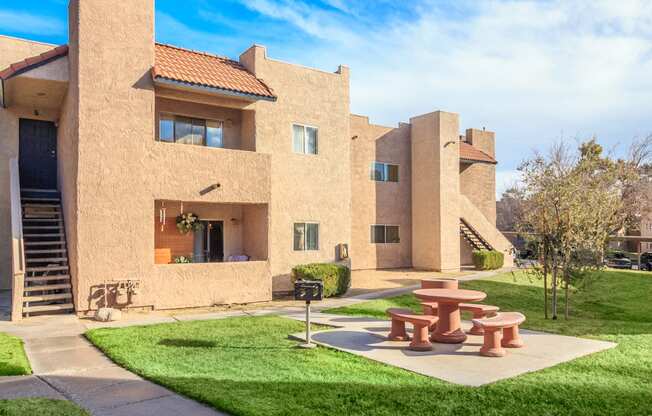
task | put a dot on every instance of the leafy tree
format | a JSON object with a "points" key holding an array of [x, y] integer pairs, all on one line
{"points": [[572, 201]]}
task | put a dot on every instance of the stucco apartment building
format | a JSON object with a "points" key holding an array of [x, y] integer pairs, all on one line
{"points": [[106, 140]]}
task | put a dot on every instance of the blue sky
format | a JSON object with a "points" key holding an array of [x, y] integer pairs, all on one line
{"points": [[534, 72]]}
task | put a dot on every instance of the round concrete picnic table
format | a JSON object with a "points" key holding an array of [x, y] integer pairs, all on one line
{"points": [[449, 328]]}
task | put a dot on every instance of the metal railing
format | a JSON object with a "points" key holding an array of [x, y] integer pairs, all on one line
{"points": [[17, 244]]}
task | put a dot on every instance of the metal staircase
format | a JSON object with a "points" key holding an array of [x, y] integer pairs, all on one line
{"points": [[47, 278], [473, 237]]}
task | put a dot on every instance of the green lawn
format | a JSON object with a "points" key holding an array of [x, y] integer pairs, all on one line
{"points": [[44, 407], [247, 366], [13, 361]]}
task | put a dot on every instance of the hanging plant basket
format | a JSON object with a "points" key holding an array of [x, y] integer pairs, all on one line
{"points": [[188, 222]]}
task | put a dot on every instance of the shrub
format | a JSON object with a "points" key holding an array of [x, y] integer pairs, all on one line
{"points": [[335, 277], [488, 259]]}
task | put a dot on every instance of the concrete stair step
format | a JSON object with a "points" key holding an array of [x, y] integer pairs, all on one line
{"points": [[48, 235], [41, 288], [44, 243], [34, 205], [39, 199], [45, 259], [48, 308], [34, 279], [46, 269], [54, 251], [42, 227], [43, 298]]}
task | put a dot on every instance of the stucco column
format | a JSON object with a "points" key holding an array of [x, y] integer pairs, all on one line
{"points": [[435, 192], [112, 54]]}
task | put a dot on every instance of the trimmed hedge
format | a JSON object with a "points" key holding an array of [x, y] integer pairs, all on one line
{"points": [[488, 259], [335, 277]]}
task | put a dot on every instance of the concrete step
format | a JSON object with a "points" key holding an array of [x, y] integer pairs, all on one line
{"points": [[35, 205], [25, 190], [41, 288], [46, 269], [41, 220], [43, 235], [48, 308], [46, 259], [39, 199], [34, 279], [44, 243], [54, 251], [43, 298]]}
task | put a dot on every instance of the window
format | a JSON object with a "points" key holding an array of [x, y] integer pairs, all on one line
{"points": [[304, 139], [306, 236], [385, 234], [186, 130], [384, 172]]}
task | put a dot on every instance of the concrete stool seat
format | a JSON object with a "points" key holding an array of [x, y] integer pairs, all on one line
{"points": [[421, 323], [500, 331], [479, 311]]}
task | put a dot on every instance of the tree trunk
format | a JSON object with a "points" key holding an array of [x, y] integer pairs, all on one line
{"points": [[545, 280], [554, 285], [567, 300]]}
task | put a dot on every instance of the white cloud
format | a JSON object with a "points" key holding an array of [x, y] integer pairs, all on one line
{"points": [[528, 70], [21, 22]]}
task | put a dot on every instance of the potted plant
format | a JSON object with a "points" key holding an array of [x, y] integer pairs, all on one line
{"points": [[182, 260], [187, 222]]}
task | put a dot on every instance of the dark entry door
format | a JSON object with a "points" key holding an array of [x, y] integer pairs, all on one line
{"points": [[215, 247], [37, 154]]}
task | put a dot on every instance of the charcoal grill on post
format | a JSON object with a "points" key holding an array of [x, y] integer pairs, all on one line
{"points": [[308, 290]]}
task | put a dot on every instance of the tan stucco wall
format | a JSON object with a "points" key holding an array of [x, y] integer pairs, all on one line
{"points": [[304, 187], [13, 50], [435, 191], [379, 202], [478, 180]]}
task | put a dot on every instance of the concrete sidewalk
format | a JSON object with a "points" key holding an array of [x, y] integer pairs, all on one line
{"points": [[67, 366]]}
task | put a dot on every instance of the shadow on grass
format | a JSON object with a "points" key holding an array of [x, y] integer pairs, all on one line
{"points": [[8, 369], [187, 343], [305, 397], [196, 343]]}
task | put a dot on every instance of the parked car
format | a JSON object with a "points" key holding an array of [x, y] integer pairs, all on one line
{"points": [[619, 261], [646, 261]]}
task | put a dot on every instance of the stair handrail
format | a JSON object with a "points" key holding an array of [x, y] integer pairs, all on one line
{"points": [[17, 242]]}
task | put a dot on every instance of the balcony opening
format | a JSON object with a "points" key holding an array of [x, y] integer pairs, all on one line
{"points": [[193, 123], [200, 232]]}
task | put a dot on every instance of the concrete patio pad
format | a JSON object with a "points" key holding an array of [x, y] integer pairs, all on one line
{"points": [[455, 363]]}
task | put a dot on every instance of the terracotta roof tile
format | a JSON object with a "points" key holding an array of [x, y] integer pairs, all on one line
{"points": [[203, 69], [470, 153], [25, 64]]}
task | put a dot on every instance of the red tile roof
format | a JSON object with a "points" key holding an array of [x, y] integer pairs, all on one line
{"points": [[206, 70], [29, 63], [472, 154]]}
